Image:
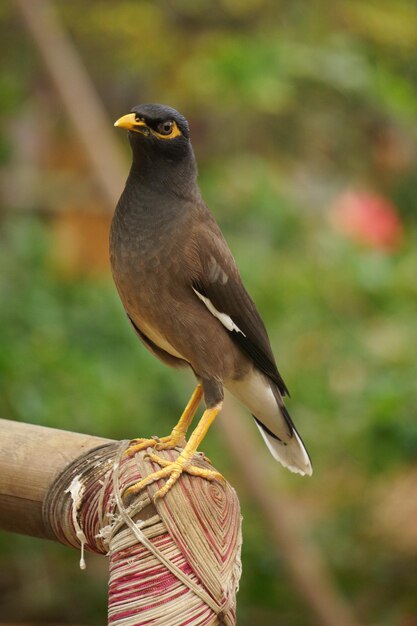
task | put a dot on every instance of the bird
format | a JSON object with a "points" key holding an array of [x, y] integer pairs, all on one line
{"points": [[183, 294]]}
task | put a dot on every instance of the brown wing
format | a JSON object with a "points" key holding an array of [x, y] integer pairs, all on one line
{"points": [[219, 281]]}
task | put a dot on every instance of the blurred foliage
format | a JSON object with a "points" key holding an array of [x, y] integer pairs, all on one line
{"points": [[290, 104]]}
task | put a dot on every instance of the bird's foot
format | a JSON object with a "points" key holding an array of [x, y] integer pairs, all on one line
{"points": [[136, 445], [171, 470], [158, 443], [170, 442]]}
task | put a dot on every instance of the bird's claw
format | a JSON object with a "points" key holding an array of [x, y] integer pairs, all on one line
{"points": [[158, 443], [170, 443], [171, 470], [136, 445]]}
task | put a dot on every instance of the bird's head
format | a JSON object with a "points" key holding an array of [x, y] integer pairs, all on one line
{"points": [[157, 132]]}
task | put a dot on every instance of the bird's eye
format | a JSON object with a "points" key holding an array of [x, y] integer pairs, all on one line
{"points": [[165, 128]]}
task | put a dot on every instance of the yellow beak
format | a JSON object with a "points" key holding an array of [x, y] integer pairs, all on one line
{"points": [[130, 122]]}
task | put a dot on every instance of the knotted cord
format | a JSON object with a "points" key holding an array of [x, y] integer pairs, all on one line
{"points": [[172, 562]]}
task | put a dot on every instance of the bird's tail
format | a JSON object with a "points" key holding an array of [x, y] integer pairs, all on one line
{"points": [[291, 453], [265, 402]]}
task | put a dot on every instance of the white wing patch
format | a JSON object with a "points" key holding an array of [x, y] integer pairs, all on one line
{"points": [[225, 319]]}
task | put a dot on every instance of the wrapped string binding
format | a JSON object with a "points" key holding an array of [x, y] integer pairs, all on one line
{"points": [[173, 562]]}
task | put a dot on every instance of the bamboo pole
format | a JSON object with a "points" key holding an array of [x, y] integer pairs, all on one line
{"points": [[176, 556], [31, 458]]}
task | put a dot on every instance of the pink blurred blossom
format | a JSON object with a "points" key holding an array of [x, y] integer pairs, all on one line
{"points": [[369, 219]]}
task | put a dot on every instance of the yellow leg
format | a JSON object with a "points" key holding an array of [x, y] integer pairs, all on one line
{"points": [[179, 431], [177, 436], [174, 469]]}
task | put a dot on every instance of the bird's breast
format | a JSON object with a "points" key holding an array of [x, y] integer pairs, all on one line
{"points": [[144, 267]]}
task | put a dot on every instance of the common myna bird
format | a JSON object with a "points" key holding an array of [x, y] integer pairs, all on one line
{"points": [[183, 294]]}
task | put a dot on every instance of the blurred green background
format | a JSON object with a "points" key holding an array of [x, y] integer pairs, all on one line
{"points": [[303, 118]]}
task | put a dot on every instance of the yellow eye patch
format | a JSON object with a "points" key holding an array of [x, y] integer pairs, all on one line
{"points": [[130, 122], [175, 132]]}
